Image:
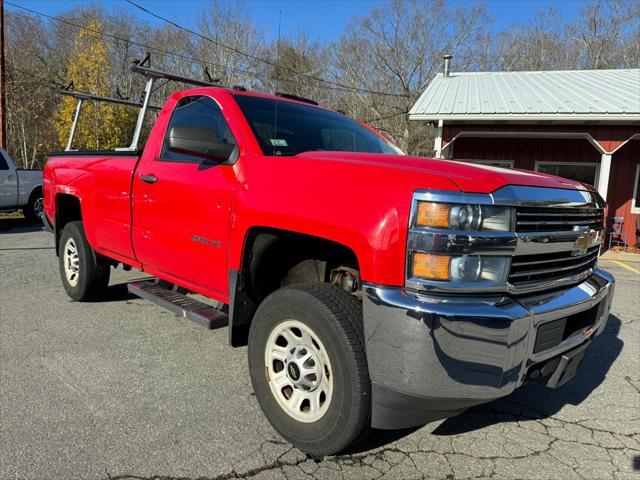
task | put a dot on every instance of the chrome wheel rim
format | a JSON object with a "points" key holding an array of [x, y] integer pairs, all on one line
{"points": [[71, 261], [299, 371], [38, 207]]}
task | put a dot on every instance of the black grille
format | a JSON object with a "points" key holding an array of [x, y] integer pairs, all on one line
{"points": [[550, 266], [534, 219]]}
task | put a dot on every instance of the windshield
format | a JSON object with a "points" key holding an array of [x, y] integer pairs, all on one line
{"points": [[301, 128]]}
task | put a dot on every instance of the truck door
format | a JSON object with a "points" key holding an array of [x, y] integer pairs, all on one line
{"points": [[8, 182], [182, 198]]}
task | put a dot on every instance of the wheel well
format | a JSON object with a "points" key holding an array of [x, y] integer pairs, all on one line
{"points": [[35, 191], [274, 258], [67, 210]]}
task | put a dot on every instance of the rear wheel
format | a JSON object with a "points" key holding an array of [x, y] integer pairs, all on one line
{"points": [[308, 366], [83, 277], [34, 209]]}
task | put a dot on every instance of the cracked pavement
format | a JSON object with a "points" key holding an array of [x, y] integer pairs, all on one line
{"points": [[122, 389]]}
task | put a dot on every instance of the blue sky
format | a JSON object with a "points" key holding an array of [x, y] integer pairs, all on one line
{"points": [[323, 19]]}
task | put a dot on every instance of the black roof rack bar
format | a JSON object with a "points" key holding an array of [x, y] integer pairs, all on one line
{"points": [[158, 74], [99, 98], [296, 97]]}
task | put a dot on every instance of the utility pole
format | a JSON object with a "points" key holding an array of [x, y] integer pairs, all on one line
{"points": [[3, 114]]}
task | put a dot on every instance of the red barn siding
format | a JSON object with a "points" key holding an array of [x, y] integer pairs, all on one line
{"points": [[609, 137], [525, 152], [620, 194]]}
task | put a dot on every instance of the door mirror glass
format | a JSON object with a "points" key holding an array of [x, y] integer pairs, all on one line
{"points": [[198, 141], [198, 133]]}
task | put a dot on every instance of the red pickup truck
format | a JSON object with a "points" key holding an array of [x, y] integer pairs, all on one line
{"points": [[374, 289]]}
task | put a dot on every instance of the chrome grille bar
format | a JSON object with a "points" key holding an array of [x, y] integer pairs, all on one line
{"points": [[560, 257], [531, 273], [534, 219], [544, 214]]}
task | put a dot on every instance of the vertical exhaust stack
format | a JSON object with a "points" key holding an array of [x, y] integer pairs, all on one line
{"points": [[447, 65]]}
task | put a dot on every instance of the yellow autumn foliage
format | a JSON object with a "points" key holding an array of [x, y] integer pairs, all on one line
{"points": [[101, 126]]}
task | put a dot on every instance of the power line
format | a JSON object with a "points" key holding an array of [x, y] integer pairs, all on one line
{"points": [[198, 34], [45, 82], [115, 38], [260, 59], [377, 119]]}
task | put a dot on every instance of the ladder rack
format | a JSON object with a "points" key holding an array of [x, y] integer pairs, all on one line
{"points": [[151, 74], [82, 97]]}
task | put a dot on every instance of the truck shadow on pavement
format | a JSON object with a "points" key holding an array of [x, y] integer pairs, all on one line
{"points": [[18, 225], [530, 402], [116, 293]]}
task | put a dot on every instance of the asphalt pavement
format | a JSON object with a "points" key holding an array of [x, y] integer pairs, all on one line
{"points": [[122, 389]]}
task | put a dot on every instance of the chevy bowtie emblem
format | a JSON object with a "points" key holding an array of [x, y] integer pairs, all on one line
{"points": [[584, 241], [294, 373]]}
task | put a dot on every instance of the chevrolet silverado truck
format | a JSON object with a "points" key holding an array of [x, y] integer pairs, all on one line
{"points": [[373, 288], [20, 189]]}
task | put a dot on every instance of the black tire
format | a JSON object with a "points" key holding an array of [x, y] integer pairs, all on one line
{"points": [[335, 317], [30, 212], [92, 278]]}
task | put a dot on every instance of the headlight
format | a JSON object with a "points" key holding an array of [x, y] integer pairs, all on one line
{"points": [[464, 217], [460, 268]]}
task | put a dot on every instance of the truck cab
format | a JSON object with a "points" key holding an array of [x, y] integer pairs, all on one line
{"points": [[20, 189], [372, 288]]}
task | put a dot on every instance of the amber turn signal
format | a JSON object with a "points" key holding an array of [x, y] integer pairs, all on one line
{"points": [[431, 214], [431, 267]]}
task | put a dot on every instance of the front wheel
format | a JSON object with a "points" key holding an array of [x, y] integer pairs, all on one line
{"points": [[308, 366], [83, 277]]}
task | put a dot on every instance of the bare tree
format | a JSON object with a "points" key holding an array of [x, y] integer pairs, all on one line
{"points": [[537, 45], [607, 34], [397, 49], [297, 66], [29, 96], [375, 72], [236, 42]]}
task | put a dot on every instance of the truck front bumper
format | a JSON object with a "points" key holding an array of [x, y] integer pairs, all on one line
{"points": [[432, 356]]}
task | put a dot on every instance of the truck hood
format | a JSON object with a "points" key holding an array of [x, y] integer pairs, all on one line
{"points": [[469, 177]]}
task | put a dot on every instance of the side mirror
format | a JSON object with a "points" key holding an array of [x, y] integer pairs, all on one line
{"points": [[200, 142]]}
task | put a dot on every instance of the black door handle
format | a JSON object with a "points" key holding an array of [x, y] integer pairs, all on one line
{"points": [[149, 178]]}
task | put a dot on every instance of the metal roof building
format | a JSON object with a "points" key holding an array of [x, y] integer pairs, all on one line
{"points": [[582, 124], [566, 96]]}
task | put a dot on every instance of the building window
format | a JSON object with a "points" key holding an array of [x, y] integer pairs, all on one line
{"points": [[493, 163], [578, 171], [635, 201]]}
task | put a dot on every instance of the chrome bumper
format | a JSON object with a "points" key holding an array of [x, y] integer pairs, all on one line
{"points": [[432, 356]]}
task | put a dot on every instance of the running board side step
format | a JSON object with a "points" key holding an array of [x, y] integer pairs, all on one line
{"points": [[180, 304]]}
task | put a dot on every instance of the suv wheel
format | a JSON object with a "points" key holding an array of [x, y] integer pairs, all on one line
{"points": [[83, 278], [308, 366]]}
